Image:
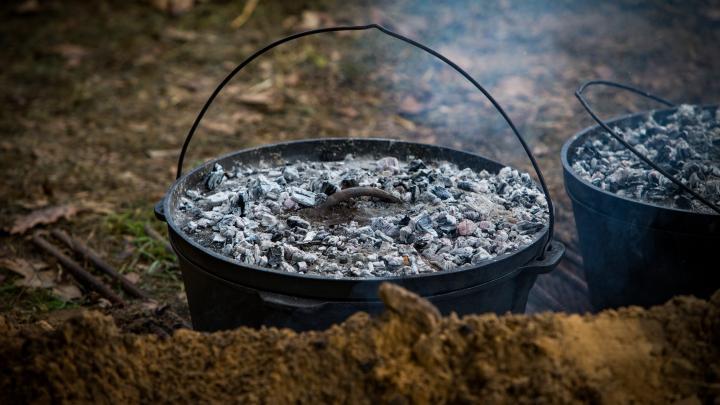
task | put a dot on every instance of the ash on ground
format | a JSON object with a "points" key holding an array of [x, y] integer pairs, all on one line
{"points": [[686, 144], [450, 217]]}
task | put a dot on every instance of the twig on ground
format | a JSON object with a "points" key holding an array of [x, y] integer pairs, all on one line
{"points": [[247, 12], [82, 276], [85, 251]]}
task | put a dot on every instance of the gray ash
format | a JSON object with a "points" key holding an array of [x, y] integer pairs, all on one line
{"points": [[269, 216], [686, 144]]}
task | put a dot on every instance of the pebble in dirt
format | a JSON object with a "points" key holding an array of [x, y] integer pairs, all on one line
{"points": [[447, 217]]}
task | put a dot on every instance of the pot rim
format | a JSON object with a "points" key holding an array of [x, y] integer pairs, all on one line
{"points": [[537, 242]]}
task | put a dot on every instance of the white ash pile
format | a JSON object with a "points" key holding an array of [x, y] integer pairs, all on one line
{"points": [[271, 216], [686, 144]]}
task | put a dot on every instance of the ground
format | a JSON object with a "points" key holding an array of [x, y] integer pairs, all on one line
{"points": [[410, 354], [98, 97]]}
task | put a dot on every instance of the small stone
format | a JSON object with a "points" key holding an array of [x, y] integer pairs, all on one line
{"points": [[215, 177], [422, 222], [290, 174], [349, 182], [480, 255], [486, 225], [394, 263], [447, 223], [441, 192], [303, 197], [290, 205], [302, 267], [406, 235], [287, 267], [416, 165], [268, 220], [378, 265], [276, 256], [527, 227], [388, 163], [218, 198], [295, 221], [466, 227], [468, 186]]}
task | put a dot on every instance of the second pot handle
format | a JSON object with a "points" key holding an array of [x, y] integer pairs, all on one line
{"points": [[226, 80], [606, 127]]}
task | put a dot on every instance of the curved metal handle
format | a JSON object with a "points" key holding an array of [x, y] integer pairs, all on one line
{"points": [[606, 127], [551, 210]]}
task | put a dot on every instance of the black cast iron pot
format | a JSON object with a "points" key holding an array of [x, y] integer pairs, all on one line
{"points": [[223, 293], [638, 253]]}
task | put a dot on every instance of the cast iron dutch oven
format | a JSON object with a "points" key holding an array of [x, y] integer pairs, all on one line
{"points": [[634, 252], [223, 293]]}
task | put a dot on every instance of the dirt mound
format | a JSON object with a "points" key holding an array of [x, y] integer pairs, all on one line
{"points": [[410, 354]]}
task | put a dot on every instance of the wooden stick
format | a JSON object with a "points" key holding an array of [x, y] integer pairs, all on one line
{"points": [[156, 235], [99, 263], [82, 276]]}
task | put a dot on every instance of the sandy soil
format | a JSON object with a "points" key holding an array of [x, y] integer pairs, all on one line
{"points": [[408, 355]]}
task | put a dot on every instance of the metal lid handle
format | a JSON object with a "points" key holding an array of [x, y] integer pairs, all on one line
{"points": [[226, 80]]}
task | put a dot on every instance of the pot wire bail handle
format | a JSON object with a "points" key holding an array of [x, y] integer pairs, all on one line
{"points": [[606, 127], [461, 71]]}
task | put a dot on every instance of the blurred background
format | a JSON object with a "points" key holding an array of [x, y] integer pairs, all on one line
{"points": [[98, 97]]}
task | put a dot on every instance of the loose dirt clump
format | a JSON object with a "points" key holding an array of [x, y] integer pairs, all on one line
{"points": [[409, 354]]}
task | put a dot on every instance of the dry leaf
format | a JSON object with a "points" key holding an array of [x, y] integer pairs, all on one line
{"points": [[174, 7], [310, 20], [35, 277], [220, 127], [162, 153], [28, 270], [97, 207], [44, 325], [67, 291], [28, 7], [33, 204], [349, 112], [405, 123], [180, 35], [73, 54], [247, 117], [133, 277], [257, 99], [410, 105], [150, 305], [46, 215]]}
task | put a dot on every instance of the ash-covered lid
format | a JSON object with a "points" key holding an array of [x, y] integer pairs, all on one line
{"points": [[685, 143], [431, 215]]}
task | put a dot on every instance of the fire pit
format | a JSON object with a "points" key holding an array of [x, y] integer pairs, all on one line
{"points": [[648, 229], [268, 264]]}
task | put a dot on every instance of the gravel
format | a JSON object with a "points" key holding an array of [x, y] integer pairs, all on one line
{"points": [[686, 144], [269, 216]]}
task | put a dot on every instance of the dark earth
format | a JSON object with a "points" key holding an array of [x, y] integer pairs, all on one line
{"points": [[98, 97], [410, 354]]}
